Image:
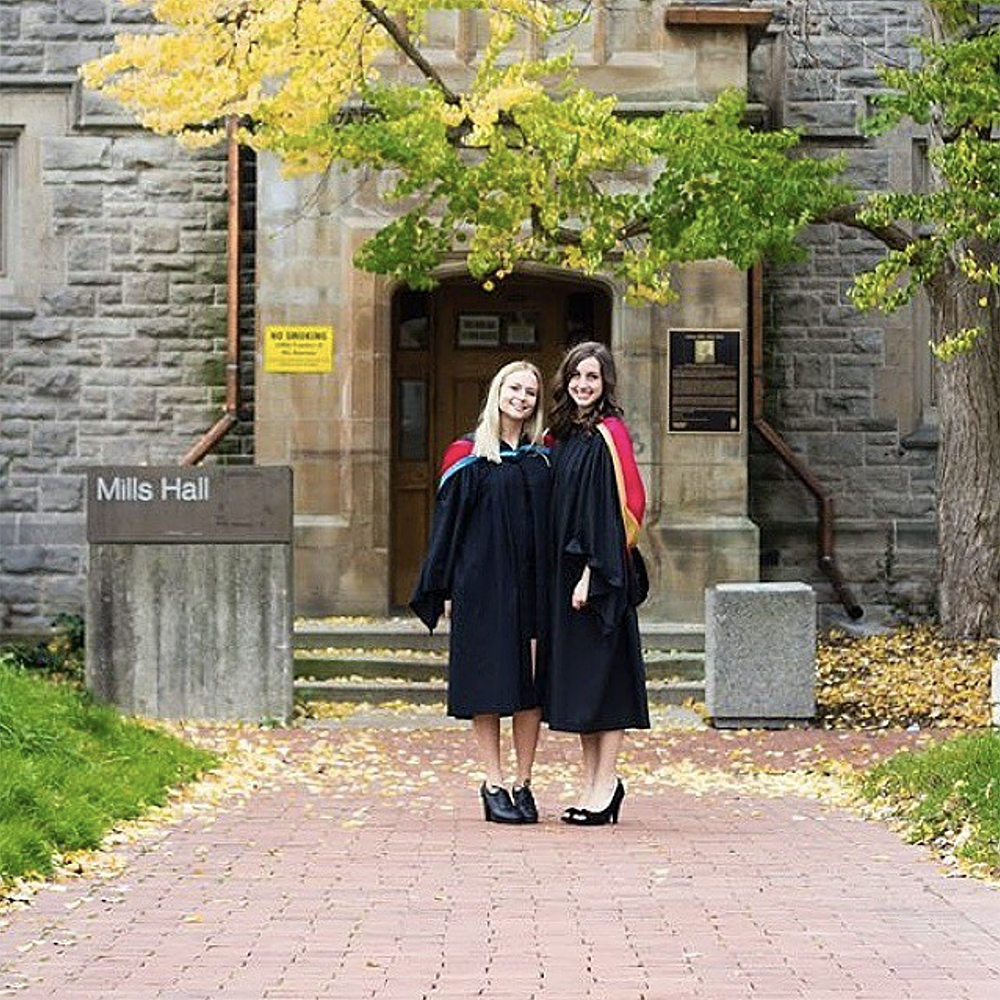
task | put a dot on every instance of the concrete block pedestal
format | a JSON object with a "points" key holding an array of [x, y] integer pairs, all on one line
{"points": [[760, 654], [192, 631]]}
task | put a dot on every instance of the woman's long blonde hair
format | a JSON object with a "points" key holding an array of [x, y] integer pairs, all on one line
{"points": [[487, 439]]}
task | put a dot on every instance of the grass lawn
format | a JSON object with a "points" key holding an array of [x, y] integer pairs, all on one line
{"points": [[70, 769], [948, 795]]}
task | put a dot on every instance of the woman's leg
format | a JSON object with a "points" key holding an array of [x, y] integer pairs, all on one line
{"points": [[607, 746], [487, 731], [590, 752], [526, 726]]}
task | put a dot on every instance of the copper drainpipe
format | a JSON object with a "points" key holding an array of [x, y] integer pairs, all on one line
{"points": [[230, 416], [827, 559]]}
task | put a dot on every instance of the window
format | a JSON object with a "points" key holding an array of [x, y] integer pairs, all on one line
{"points": [[8, 164], [411, 402], [27, 118]]}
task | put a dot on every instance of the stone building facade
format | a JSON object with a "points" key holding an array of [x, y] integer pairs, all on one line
{"points": [[851, 392], [113, 304], [112, 298]]}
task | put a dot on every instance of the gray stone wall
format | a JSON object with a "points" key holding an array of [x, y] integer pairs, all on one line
{"points": [[849, 391], [112, 333], [51, 38]]}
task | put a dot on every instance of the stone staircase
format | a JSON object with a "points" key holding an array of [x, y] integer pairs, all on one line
{"points": [[395, 659]]}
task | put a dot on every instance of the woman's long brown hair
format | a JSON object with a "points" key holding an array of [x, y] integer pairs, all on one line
{"points": [[564, 415]]}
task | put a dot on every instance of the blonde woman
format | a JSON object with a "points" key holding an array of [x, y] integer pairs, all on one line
{"points": [[487, 556]]}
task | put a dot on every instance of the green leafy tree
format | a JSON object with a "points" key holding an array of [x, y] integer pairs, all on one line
{"points": [[946, 244]]}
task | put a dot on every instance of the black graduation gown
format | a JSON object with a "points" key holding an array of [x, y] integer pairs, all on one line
{"points": [[488, 554], [595, 679]]}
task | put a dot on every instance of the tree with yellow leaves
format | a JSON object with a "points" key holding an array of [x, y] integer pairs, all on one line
{"points": [[512, 164]]}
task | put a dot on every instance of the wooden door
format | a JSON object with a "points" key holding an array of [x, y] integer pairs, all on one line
{"points": [[447, 347]]}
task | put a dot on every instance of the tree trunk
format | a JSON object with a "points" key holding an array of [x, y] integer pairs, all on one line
{"points": [[968, 471]]}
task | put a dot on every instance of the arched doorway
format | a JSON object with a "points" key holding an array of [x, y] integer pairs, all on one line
{"points": [[446, 346]]}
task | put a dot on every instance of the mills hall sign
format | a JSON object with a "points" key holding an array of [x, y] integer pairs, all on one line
{"points": [[141, 489], [127, 504]]}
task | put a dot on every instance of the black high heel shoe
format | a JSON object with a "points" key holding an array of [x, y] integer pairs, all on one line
{"points": [[524, 803], [497, 805], [609, 814]]}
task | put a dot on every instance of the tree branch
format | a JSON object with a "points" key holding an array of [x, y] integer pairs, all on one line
{"points": [[639, 226], [408, 49], [893, 236], [561, 235]]}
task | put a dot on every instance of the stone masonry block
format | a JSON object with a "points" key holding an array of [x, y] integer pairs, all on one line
{"points": [[84, 11], [75, 153], [760, 654], [62, 302], [62, 493], [10, 22], [157, 237], [40, 559], [830, 117], [66, 57], [75, 201], [87, 253], [146, 288], [54, 440], [56, 384]]}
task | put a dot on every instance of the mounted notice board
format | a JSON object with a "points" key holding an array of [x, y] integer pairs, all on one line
{"points": [[705, 380], [298, 349]]}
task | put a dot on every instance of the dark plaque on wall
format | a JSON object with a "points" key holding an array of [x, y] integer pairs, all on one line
{"points": [[705, 380]]}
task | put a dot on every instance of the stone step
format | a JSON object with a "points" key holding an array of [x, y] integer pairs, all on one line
{"points": [[380, 690], [368, 633], [666, 636], [410, 634], [415, 665]]}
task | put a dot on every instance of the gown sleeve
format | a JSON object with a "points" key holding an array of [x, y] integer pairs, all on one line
{"points": [[598, 535], [455, 501]]}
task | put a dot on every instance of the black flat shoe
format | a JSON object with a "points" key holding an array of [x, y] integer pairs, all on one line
{"points": [[524, 803], [609, 814], [497, 805]]}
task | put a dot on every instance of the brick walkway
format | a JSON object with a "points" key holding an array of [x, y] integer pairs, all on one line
{"points": [[361, 867]]}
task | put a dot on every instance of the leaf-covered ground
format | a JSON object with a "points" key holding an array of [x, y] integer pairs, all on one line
{"points": [[947, 796], [876, 696], [912, 677], [407, 754], [914, 680]]}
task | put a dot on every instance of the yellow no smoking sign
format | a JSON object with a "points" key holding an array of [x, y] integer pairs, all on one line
{"points": [[292, 349]]}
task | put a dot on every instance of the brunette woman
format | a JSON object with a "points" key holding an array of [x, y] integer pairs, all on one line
{"points": [[487, 555], [595, 679]]}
